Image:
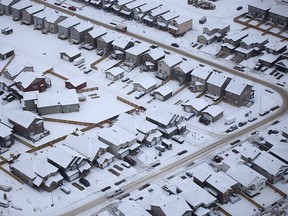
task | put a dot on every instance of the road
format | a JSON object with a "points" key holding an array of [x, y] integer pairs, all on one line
{"points": [[189, 158]]}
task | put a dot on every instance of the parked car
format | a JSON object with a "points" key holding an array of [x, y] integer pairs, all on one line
{"points": [[85, 182], [178, 138], [160, 148], [1, 92], [139, 95], [242, 123], [130, 160], [125, 79], [232, 128], [113, 191], [273, 132], [72, 8], [6, 96], [65, 189], [252, 119], [87, 71], [239, 67], [239, 8], [175, 45], [263, 69], [11, 98], [203, 20], [204, 120]]}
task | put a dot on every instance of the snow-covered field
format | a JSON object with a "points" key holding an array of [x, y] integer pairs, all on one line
{"points": [[42, 51]]}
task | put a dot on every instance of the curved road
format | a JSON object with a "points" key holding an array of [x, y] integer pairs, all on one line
{"points": [[189, 158]]}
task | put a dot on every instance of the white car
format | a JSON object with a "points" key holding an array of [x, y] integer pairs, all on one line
{"points": [[113, 191]]}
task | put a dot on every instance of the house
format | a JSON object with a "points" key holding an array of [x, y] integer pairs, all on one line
{"points": [[168, 123], [28, 101], [146, 132], [51, 22], [180, 25], [65, 101], [114, 73], [134, 55], [232, 40], [263, 162], [275, 47], [221, 186], [6, 138], [215, 31], [170, 205], [65, 26], [268, 59], [6, 52], [30, 81], [238, 94], [26, 124], [282, 65], [201, 173], [216, 84], [119, 47], [145, 85], [120, 141], [119, 4], [70, 163], [77, 32], [104, 43], [166, 65], [39, 19], [28, 13], [128, 10], [212, 113], [70, 54], [90, 38], [182, 72], [97, 3], [131, 207], [151, 59], [196, 106], [259, 9], [163, 20], [76, 83], [150, 18], [36, 172], [250, 182], [18, 8], [94, 150], [278, 15], [141, 12], [5, 6], [251, 46], [163, 93], [107, 4], [199, 77]]}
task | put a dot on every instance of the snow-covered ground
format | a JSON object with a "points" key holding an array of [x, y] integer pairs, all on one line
{"points": [[42, 51]]}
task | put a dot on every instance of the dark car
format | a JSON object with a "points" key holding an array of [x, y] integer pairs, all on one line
{"points": [[252, 119], [239, 8], [242, 123], [174, 44], [1, 92], [72, 8], [6, 96], [11, 98], [232, 128], [85, 182], [160, 148], [273, 132], [204, 120], [129, 160]]}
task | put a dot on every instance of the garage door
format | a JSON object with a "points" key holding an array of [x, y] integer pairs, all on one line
{"points": [[110, 76], [65, 57], [159, 97], [208, 117]]}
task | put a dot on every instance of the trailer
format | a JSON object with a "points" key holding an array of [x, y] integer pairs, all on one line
{"points": [[7, 31]]}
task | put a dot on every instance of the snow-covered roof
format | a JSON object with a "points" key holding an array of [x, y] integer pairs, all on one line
{"points": [[202, 171], [201, 72], [26, 78], [248, 151], [182, 19], [69, 22], [34, 9], [52, 17], [132, 208], [121, 42], [217, 79], [172, 60], [236, 87], [172, 205], [5, 130], [197, 103], [263, 5], [170, 15], [116, 135], [115, 71], [83, 26], [109, 37], [149, 6], [65, 97], [22, 5], [41, 14], [84, 145], [197, 196], [160, 116], [164, 90], [146, 83], [268, 57], [280, 10], [135, 4], [5, 2], [138, 49], [71, 51], [214, 110], [236, 35], [254, 38], [221, 181], [97, 32], [76, 81], [217, 24], [187, 66], [23, 118], [30, 95], [159, 10], [5, 49], [123, 2], [276, 45], [156, 54]]}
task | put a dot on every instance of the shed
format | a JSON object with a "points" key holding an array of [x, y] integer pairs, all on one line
{"points": [[196, 105], [6, 52], [76, 83], [163, 93], [145, 85], [70, 55], [213, 113], [114, 73]]}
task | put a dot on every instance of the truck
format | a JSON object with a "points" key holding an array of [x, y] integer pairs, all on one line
{"points": [[229, 120], [121, 27], [113, 191]]}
